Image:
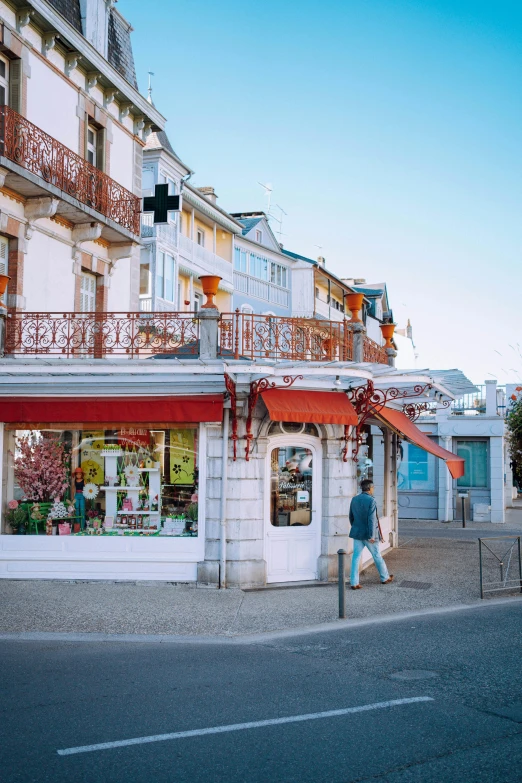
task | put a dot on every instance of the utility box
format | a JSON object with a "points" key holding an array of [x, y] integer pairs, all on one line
{"points": [[481, 512]]}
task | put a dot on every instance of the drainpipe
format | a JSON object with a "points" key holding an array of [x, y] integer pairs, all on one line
{"points": [[223, 510]]}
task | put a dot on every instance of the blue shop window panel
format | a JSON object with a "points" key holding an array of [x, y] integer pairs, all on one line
{"points": [[475, 452], [417, 469]]}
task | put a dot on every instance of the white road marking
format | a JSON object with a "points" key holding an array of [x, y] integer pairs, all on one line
{"points": [[241, 726]]}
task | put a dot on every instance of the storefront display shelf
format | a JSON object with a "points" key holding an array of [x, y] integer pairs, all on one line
{"points": [[133, 513]]}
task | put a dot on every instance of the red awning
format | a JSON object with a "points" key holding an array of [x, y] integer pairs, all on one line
{"points": [[407, 429], [315, 407], [117, 410]]}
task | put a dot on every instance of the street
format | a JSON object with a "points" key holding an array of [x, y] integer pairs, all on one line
{"points": [[454, 680]]}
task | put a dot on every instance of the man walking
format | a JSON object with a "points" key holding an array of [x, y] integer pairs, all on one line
{"points": [[365, 531]]}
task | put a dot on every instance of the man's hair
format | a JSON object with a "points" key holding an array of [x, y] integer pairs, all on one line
{"points": [[366, 484]]}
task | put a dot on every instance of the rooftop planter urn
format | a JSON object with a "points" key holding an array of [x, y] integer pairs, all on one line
{"points": [[355, 302], [210, 285], [4, 279], [387, 332]]}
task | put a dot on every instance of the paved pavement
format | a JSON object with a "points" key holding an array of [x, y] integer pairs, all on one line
{"points": [[444, 572], [428, 700]]}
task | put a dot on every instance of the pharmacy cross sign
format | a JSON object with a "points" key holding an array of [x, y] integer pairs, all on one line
{"points": [[161, 204]]}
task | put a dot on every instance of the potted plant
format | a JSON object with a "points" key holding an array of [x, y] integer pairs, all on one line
{"points": [[20, 520], [10, 515]]}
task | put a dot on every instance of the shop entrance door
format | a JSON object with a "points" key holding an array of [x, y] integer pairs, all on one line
{"points": [[293, 509]]}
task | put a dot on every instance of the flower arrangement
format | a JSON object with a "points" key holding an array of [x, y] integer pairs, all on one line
{"points": [[40, 467], [132, 475], [90, 491]]}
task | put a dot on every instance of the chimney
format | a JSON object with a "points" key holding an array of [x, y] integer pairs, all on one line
{"points": [[321, 261], [209, 193], [409, 330], [359, 281]]}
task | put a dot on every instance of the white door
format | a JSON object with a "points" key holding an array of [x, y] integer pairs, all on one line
{"points": [[87, 293], [293, 509]]}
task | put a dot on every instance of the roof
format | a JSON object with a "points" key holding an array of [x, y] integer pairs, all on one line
{"points": [[298, 257], [369, 292], [70, 10], [119, 49], [249, 224], [158, 140]]}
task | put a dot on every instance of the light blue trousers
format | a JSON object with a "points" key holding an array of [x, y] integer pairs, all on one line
{"points": [[358, 547]]}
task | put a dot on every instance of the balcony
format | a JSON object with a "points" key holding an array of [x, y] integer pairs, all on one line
{"points": [[324, 310], [167, 234], [201, 261], [101, 335], [261, 289], [40, 165]]}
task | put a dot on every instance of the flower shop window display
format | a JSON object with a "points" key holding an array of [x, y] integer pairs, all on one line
{"points": [[134, 480]]}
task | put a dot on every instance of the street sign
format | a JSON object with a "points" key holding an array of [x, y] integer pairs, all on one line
{"points": [[161, 204]]}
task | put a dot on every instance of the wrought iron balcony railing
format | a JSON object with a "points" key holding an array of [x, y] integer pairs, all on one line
{"points": [[373, 352], [102, 335], [277, 338], [37, 152]]}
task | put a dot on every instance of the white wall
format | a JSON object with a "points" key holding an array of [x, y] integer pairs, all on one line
{"points": [[373, 330], [118, 299], [122, 157], [303, 294], [48, 275], [51, 104]]}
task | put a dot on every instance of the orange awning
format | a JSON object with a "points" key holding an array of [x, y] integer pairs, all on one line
{"points": [[314, 407], [399, 422]]}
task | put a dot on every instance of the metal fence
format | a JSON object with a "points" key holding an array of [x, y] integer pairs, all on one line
{"points": [[500, 564]]}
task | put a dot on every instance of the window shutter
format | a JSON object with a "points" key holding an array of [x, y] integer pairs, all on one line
{"points": [[100, 150], [4, 250], [15, 85], [87, 293]]}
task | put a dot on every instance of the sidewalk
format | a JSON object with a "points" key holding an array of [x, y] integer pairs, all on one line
{"points": [[448, 567]]}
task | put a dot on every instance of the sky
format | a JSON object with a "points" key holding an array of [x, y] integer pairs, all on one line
{"points": [[390, 132]]}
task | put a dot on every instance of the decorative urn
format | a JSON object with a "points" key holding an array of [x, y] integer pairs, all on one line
{"points": [[355, 302], [387, 332], [210, 285], [4, 279]]}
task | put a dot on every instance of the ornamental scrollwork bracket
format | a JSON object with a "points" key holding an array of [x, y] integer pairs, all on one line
{"points": [[367, 401], [256, 387], [231, 389]]}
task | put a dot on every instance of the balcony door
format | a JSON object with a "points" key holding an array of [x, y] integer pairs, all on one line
{"points": [[87, 293], [293, 508]]}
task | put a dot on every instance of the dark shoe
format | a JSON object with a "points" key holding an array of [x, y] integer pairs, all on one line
{"points": [[356, 587], [387, 582]]}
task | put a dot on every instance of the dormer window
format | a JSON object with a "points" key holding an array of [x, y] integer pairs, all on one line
{"points": [[259, 236]]}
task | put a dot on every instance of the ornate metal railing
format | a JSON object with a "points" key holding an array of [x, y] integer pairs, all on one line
{"points": [[30, 147], [277, 338], [99, 335], [372, 352]]}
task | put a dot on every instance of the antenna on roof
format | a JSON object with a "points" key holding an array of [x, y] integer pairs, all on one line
{"points": [[268, 193], [279, 220], [149, 90]]}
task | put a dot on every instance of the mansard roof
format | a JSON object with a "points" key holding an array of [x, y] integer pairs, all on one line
{"points": [[70, 10], [119, 49]]}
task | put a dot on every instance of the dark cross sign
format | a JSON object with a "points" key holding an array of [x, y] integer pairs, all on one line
{"points": [[161, 204]]}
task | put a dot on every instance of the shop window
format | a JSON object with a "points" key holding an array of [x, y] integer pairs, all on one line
{"points": [[291, 486], [416, 468], [4, 255], [138, 480], [475, 452]]}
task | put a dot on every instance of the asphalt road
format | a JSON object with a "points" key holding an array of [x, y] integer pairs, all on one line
{"points": [[61, 695]]}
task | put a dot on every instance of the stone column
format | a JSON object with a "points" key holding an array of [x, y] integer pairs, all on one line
{"points": [[208, 332], [445, 485], [391, 353], [496, 478], [359, 332], [491, 398]]}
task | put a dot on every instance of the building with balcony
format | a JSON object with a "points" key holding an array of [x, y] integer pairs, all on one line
{"points": [[473, 426], [262, 273], [73, 126]]}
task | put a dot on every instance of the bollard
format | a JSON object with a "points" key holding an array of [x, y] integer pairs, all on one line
{"points": [[342, 587], [463, 513]]}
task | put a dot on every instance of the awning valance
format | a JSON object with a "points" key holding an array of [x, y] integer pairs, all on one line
{"points": [[407, 429], [314, 407], [124, 410]]}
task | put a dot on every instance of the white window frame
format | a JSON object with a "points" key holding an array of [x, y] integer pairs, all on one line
{"points": [[88, 285], [92, 146], [200, 232], [259, 236], [4, 80]]}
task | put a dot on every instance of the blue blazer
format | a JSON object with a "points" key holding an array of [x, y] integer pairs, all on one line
{"points": [[363, 517]]}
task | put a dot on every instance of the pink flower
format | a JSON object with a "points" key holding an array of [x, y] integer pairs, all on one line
{"points": [[194, 498], [12, 504]]}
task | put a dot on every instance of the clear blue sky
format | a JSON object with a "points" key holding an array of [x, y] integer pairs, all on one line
{"points": [[391, 133]]}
